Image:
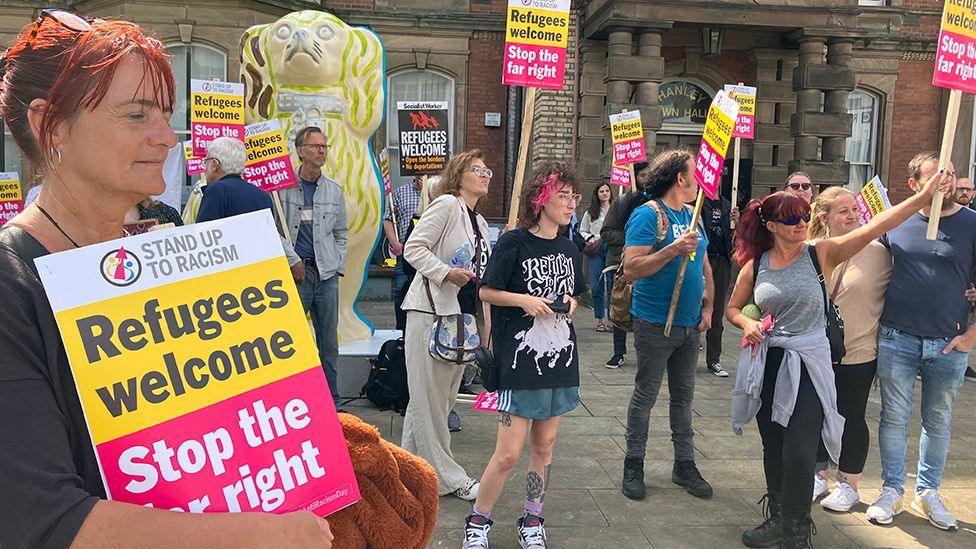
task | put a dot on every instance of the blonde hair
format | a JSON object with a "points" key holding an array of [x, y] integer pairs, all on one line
{"points": [[817, 229]]}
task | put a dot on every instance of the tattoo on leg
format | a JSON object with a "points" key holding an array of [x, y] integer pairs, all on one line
{"points": [[534, 487], [505, 419]]}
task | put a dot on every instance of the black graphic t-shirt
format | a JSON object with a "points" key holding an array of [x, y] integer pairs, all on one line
{"points": [[534, 353], [467, 296]]}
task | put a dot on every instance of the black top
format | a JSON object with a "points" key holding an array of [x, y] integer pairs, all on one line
{"points": [[49, 479], [229, 196], [534, 353], [163, 213], [614, 231], [468, 294], [716, 217]]}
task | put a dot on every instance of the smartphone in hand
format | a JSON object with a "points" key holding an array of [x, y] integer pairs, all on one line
{"points": [[559, 306]]}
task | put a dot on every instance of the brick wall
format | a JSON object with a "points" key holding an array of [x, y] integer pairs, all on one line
{"points": [[487, 94], [555, 115], [916, 125], [348, 4], [488, 6]]}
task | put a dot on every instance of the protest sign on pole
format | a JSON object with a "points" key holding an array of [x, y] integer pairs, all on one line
{"points": [[536, 36], [197, 373], [719, 124], [620, 175], [871, 200], [194, 164], [423, 128], [745, 128], [11, 197], [384, 161], [955, 68], [627, 135], [268, 165], [216, 110]]}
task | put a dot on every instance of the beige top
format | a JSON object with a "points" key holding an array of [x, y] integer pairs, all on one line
{"points": [[860, 299]]}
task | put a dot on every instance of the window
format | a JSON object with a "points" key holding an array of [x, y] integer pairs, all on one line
{"points": [[10, 155], [862, 145], [872, 2], [415, 85], [192, 61]]}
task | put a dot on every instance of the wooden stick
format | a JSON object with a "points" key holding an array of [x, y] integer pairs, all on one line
{"points": [[633, 178], [684, 266], [945, 156], [735, 179], [281, 215], [523, 156]]}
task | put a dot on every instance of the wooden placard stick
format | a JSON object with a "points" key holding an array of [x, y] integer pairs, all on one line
{"points": [[523, 156], [633, 179], [735, 178], [684, 266], [948, 137]]}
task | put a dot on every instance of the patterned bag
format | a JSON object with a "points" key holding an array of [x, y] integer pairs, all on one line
{"points": [[453, 338]]}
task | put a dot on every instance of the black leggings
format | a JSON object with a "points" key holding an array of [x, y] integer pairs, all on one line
{"points": [[790, 453], [853, 384]]}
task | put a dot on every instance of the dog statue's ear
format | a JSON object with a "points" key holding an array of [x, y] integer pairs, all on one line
{"points": [[363, 76], [255, 75]]}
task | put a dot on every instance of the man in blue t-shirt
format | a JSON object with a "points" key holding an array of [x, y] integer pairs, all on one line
{"points": [[654, 263], [926, 331]]}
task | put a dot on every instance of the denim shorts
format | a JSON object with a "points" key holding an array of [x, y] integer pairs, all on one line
{"points": [[538, 403]]}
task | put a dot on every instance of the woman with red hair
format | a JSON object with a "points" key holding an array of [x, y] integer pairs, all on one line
{"points": [[88, 102], [785, 378]]}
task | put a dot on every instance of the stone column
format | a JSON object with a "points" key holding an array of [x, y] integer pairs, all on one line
{"points": [[620, 46], [839, 53], [808, 100], [776, 103], [646, 92]]}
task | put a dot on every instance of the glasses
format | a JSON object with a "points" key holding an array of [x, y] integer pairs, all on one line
{"points": [[798, 186], [212, 159], [319, 146], [482, 172], [66, 19], [794, 220], [567, 199]]}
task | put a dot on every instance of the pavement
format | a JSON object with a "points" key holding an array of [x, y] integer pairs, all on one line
{"points": [[584, 507]]}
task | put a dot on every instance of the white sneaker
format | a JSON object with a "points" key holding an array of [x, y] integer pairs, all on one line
{"points": [[842, 498], [884, 509], [929, 503], [819, 486], [531, 533], [468, 492], [476, 532]]}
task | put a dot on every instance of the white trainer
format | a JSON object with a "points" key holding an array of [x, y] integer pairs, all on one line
{"points": [[819, 486], [468, 492], [842, 498], [929, 503], [884, 509]]}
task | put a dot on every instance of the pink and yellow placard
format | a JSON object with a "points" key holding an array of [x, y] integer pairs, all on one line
{"points": [[536, 36], [197, 372], [268, 164], [719, 124], [620, 175], [628, 138], [745, 96], [955, 55], [216, 110], [11, 197], [194, 164]]}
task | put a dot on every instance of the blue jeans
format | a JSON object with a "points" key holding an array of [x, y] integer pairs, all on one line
{"points": [[900, 357], [321, 299], [399, 291], [597, 282]]}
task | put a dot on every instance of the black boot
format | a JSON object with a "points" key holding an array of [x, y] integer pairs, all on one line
{"points": [[798, 531], [633, 485], [770, 532], [686, 474]]}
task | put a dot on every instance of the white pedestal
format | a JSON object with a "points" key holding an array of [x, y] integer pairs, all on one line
{"points": [[354, 360]]}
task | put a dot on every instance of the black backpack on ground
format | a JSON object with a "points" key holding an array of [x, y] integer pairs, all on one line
{"points": [[386, 386]]}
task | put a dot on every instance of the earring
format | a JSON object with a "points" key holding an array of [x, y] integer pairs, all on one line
{"points": [[51, 153]]}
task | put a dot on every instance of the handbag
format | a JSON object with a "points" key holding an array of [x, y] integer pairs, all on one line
{"points": [[835, 322], [453, 338], [484, 361]]}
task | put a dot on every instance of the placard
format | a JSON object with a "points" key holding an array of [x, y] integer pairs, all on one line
{"points": [[955, 55], [719, 123], [424, 128], [197, 373], [536, 36], [216, 110], [384, 161], [628, 138], [871, 200], [745, 96], [194, 164], [11, 197], [268, 164], [620, 176]]}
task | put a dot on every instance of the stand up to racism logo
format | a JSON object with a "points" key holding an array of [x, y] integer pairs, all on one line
{"points": [[121, 267]]}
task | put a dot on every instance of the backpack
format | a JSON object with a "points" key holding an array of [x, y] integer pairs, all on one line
{"points": [[386, 386], [621, 294]]}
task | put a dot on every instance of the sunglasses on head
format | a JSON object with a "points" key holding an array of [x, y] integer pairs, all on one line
{"points": [[794, 219], [798, 186], [64, 18]]}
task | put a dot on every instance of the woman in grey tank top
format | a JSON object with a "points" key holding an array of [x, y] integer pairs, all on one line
{"points": [[796, 412]]}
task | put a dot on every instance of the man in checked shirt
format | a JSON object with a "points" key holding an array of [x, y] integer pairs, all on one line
{"points": [[405, 203]]}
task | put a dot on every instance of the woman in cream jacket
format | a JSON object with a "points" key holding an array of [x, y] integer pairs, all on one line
{"points": [[449, 249]]}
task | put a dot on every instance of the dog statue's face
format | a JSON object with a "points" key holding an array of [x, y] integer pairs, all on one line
{"points": [[307, 52]]}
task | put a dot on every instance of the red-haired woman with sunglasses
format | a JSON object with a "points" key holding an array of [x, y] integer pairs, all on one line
{"points": [[88, 102], [785, 378]]}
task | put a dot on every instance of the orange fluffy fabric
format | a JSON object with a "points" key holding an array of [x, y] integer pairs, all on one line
{"points": [[399, 489]]}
